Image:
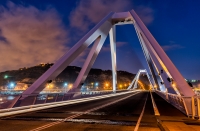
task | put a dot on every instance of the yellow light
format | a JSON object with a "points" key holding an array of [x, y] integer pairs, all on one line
{"points": [[120, 85], [70, 86], [107, 84]]}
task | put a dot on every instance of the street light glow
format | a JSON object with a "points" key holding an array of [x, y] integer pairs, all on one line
{"points": [[65, 84], [70, 86], [12, 85], [5, 77]]}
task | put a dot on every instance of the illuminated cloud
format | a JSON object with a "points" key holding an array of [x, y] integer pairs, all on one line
{"points": [[29, 36], [146, 14], [89, 12], [172, 46], [118, 44]]}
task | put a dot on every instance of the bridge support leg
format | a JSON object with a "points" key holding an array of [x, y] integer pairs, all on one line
{"points": [[112, 35], [167, 65]]}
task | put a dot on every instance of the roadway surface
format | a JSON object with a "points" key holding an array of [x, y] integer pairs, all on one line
{"points": [[109, 114]]}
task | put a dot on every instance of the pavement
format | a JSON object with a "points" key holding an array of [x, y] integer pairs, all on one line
{"points": [[172, 119], [95, 116]]}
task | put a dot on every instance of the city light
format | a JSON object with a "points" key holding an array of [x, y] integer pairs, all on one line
{"points": [[96, 84], [70, 86], [11, 85], [65, 84], [51, 85], [5, 77]]}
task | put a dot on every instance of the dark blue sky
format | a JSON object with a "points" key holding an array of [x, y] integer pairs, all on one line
{"points": [[174, 24]]}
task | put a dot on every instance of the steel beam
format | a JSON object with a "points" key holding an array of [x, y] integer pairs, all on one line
{"points": [[112, 35], [90, 60], [182, 85]]}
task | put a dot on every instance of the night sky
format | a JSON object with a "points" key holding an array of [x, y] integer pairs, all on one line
{"points": [[35, 31]]}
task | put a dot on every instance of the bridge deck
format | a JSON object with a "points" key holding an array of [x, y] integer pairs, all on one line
{"points": [[122, 115]]}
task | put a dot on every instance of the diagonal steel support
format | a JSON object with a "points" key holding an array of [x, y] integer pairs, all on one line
{"points": [[147, 56], [182, 85], [100, 29], [158, 64], [90, 61]]}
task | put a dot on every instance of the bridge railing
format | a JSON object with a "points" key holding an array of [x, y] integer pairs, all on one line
{"points": [[52, 97], [188, 105]]}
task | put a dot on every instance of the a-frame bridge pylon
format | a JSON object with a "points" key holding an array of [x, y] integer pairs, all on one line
{"points": [[134, 83], [161, 68]]}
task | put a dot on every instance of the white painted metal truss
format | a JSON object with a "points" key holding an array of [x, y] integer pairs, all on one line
{"points": [[134, 83], [164, 73]]}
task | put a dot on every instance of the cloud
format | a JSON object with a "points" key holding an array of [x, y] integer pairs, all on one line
{"points": [[146, 14], [29, 36], [89, 12], [105, 48], [172, 47], [118, 44]]}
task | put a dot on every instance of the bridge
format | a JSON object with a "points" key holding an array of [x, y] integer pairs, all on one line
{"points": [[170, 103]]}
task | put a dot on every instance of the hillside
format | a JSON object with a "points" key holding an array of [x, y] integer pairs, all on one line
{"points": [[29, 75]]}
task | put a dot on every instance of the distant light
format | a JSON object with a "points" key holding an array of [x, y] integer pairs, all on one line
{"points": [[65, 84], [12, 85], [96, 84], [70, 86], [5, 77]]}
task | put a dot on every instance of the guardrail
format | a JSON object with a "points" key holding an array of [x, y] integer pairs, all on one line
{"points": [[188, 105], [52, 97]]}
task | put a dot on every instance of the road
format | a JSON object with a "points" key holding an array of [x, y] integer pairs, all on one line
{"points": [[109, 114]]}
